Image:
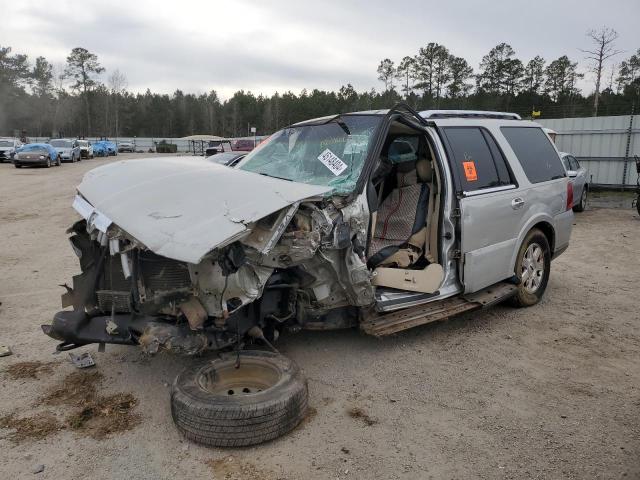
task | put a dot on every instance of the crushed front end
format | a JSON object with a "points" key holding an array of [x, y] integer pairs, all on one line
{"points": [[299, 267]]}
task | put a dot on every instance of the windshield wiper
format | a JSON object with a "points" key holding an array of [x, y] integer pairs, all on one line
{"points": [[273, 176], [343, 126]]}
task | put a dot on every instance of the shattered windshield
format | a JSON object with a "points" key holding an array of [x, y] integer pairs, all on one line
{"points": [[331, 154]]}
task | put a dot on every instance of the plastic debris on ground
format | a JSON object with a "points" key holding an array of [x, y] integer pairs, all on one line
{"points": [[84, 360]]}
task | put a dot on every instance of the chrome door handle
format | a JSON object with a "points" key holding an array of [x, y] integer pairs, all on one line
{"points": [[517, 203]]}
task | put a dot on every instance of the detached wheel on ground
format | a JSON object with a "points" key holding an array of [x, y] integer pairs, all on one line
{"points": [[581, 206], [533, 265], [219, 405]]}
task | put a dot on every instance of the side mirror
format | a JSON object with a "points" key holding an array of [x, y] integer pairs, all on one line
{"points": [[572, 173]]}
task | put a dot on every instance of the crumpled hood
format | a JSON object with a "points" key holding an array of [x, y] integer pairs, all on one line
{"points": [[182, 208]]}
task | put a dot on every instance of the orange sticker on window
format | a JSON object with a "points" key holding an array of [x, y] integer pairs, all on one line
{"points": [[470, 171]]}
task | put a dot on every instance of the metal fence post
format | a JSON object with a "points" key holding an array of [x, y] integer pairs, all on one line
{"points": [[627, 148]]}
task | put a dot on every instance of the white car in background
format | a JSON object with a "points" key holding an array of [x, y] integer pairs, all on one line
{"points": [[126, 146], [8, 147], [67, 148], [86, 149]]}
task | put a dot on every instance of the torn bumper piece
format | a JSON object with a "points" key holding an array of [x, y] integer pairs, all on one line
{"points": [[76, 328]]}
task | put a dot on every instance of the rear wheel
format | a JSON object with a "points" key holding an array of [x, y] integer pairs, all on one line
{"points": [[220, 405], [582, 204], [533, 265]]}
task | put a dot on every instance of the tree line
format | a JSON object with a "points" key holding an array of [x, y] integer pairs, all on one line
{"points": [[82, 99]]}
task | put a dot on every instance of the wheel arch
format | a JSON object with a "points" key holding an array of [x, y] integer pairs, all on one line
{"points": [[549, 232], [545, 226]]}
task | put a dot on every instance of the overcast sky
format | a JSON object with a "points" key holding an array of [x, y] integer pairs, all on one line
{"points": [[267, 46]]}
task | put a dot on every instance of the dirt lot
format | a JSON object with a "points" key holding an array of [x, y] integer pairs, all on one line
{"points": [[548, 392]]}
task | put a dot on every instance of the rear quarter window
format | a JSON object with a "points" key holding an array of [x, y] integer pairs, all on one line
{"points": [[536, 154]]}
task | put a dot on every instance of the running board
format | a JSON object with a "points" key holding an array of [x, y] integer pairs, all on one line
{"points": [[382, 324]]}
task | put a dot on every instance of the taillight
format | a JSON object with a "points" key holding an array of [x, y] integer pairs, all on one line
{"points": [[569, 196]]}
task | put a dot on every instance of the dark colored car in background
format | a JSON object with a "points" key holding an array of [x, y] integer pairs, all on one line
{"points": [[243, 145], [37, 154], [218, 146]]}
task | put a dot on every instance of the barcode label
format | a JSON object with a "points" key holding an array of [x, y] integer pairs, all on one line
{"points": [[332, 162]]}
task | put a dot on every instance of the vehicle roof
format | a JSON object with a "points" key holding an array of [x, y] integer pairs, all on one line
{"points": [[66, 139], [464, 115]]}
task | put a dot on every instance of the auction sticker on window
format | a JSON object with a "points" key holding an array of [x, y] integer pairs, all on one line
{"points": [[470, 170], [332, 162]]}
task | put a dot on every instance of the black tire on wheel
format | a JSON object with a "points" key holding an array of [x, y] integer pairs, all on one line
{"points": [[48, 164], [17, 165], [218, 405], [534, 252], [58, 161], [582, 204]]}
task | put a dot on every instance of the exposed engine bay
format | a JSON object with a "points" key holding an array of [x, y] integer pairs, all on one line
{"points": [[295, 268]]}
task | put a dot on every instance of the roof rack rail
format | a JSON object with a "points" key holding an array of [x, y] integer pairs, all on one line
{"points": [[469, 114]]}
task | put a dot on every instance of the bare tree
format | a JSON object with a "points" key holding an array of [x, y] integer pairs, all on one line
{"points": [[604, 48], [118, 85]]}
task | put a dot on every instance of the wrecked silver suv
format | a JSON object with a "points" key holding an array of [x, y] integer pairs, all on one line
{"points": [[384, 220]]}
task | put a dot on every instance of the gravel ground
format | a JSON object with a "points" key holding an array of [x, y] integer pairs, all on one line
{"points": [[551, 391]]}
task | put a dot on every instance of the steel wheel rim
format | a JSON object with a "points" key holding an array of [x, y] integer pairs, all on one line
{"points": [[532, 268], [225, 380]]}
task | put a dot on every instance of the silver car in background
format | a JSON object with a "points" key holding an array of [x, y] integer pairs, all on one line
{"points": [[578, 177], [126, 146], [67, 148], [8, 147]]}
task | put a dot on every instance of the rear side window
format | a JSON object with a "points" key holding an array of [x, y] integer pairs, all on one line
{"points": [[478, 161], [535, 152], [573, 163]]}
